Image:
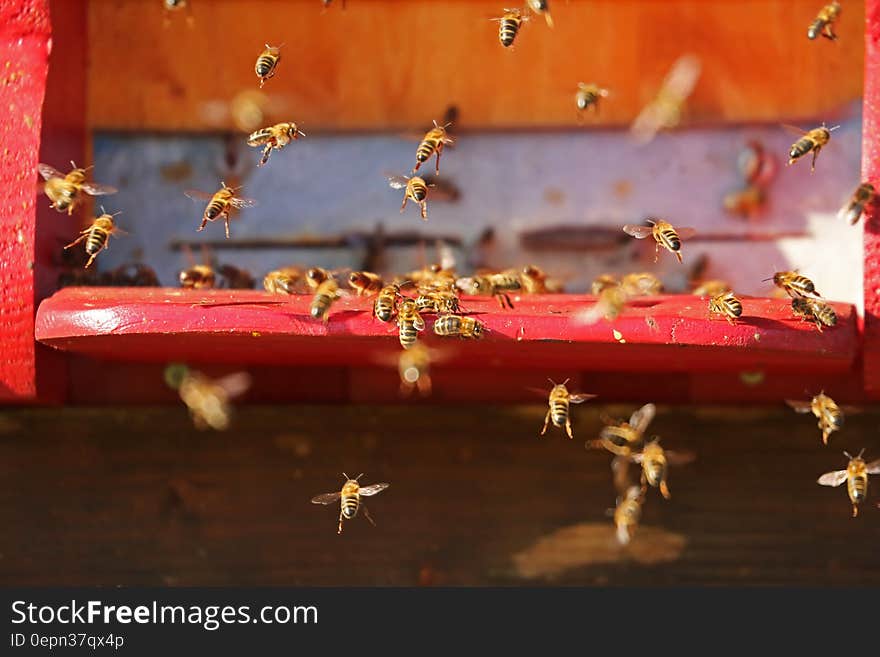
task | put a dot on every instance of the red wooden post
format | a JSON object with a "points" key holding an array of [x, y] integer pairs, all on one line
{"points": [[871, 172], [24, 64]]}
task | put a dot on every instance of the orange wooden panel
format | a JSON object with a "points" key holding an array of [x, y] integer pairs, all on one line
{"points": [[392, 64]]}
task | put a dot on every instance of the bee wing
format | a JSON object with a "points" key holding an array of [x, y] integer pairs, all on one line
{"points": [[679, 458], [326, 498], [235, 384], [686, 233], [639, 232], [592, 314], [197, 195], [98, 190], [642, 417], [793, 129], [873, 467], [799, 406], [397, 182], [537, 391], [579, 398], [373, 489], [832, 478], [242, 202], [48, 172]]}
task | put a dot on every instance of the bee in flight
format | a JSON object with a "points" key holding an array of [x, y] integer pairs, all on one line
{"points": [[825, 409], [541, 7], [416, 189], [824, 23], [274, 137], [655, 462], [326, 292], [664, 112], [350, 499], [509, 25], [456, 325], [726, 305], [818, 312], [267, 62], [861, 198], [208, 400], [794, 284], [588, 96], [627, 514], [855, 476], [97, 236], [65, 190], [625, 438], [220, 204], [432, 144], [559, 401], [812, 141], [611, 302], [409, 323], [664, 234], [283, 281]]}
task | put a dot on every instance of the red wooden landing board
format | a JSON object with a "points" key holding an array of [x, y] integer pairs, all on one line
{"points": [[661, 334]]}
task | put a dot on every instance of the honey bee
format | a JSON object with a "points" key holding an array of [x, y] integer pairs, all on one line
{"points": [[432, 143], [794, 284], [198, 277], [819, 312], [665, 111], [386, 303], [438, 302], [350, 499], [365, 282], [824, 23], [812, 141], [625, 438], [627, 514], [275, 137], [316, 275], [664, 234], [825, 409], [588, 96], [712, 288], [282, 281], [416, 189], [456, 325], [541, 7], [220, 204], [235, 278], [208, 400], [509, 25], [611, 302], [655, 462], [603, 282], [745, 202], [409, 323], [641, 284], [97, 236], [863, 196], [559, 401], [267, 63], [414, 365], [65, 190], [325, 294], [855, 476], [533, 280], [494, 285], [726, 305]]}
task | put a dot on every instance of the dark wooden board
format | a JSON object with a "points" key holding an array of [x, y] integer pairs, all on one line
{"points": [[137, 497]]}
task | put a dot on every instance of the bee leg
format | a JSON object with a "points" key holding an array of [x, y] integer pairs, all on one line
{"points": [[79, 239], [644, 481], [657, 252], [437, 162], [266, 153], [203, 224], [678, 255], [367, 514], [546, 423], [664, 490], [226, 223], [855, 510], [424, 205], [339, 529], [568, 427], [92, 259], [815, 155], [403, 205]]}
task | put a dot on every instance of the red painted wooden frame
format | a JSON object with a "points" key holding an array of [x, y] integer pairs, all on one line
{"points": [[679, 352]]}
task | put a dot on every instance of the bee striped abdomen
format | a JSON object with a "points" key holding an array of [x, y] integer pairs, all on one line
{"points": [[670, 239], [858, 488], [350, 504], [655, 471], [559, 412], [429, 144], [408, 333], [97, 240], [448, 325], [801, 147], [418, 189], [215, 208], [265, 65], [508, 30], [320, 305]]}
